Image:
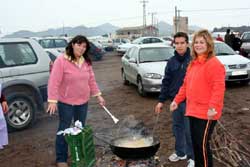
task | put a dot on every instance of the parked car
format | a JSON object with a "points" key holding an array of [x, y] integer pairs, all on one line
{"points": [[95, 52], [169, 40], [245, 46], [120, 41], [58, 43], [143, 65], [142, 40], [53, 54], [237, 67], [24, 73], [107, 43]]}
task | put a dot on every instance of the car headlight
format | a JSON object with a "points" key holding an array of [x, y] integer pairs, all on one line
{"points": [[152, 76]]}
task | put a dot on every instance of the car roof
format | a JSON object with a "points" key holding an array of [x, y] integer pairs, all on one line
{"points": [[215, 41], [246, 32], [53, 38], [148, 37], [153, 45], [15, 39]]}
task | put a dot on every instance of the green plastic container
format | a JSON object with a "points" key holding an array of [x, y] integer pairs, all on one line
{"points": [[88, 147], [82, 148]]}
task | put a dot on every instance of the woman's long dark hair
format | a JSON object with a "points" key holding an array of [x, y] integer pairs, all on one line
{"points": [[79, 39]]}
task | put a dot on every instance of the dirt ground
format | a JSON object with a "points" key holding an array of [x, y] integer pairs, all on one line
{"points": [[34, 147]]}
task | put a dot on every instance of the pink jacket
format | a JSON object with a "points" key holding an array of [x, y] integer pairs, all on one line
{"points": [[71, 84]]}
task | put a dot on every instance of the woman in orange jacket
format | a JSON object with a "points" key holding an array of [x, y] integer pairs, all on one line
{"points": [[203, 89]]}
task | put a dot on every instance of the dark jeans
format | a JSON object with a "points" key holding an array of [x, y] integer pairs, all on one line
{"points": [[201, 131], [66, 114], [181, 130]]}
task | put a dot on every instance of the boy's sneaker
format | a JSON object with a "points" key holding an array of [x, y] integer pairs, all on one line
{"points": [[174, 157], [190, 163]]}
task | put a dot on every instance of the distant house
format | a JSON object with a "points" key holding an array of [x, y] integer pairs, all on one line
{"points": [[135, 32]]}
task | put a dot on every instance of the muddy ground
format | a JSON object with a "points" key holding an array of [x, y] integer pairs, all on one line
{"points": [[34, 147]]}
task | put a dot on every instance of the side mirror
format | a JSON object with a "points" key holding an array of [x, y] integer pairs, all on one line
{"points": [[132, 60]]}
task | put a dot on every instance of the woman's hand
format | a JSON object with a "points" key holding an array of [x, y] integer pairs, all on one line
{"points": [[5, 107], [101, 100], [211, 113], [158, 108], [173, 106], [52, 107]]}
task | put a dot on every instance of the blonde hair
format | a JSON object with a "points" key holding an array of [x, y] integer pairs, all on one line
{"points": [[209, 40]]}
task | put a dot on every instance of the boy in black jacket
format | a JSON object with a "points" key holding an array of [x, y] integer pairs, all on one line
{"points": [[174, 75]]}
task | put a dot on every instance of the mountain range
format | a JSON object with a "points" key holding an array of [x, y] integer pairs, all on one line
{"points": [[164, 29]]}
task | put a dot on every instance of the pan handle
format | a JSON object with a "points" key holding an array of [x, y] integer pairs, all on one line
{"points": [[111, 115], [155, 123]]}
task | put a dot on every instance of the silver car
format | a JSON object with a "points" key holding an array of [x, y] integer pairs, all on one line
{"points": [[237, 67], [245, 47], [24, 74], [143, 65], [58, 43], [142, 40]]}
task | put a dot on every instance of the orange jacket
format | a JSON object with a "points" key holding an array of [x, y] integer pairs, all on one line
{"points": [[203, 88]]}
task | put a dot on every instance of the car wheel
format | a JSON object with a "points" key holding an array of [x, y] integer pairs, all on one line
{"points": [[21, 113], [125, 81], [140, 87]]}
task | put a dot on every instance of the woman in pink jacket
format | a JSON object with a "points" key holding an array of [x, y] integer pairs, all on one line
{"points": [[203, 89], [71, 84]]}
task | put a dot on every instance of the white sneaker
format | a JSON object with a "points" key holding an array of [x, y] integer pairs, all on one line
{"points": [[190, 163], [174, 157]]}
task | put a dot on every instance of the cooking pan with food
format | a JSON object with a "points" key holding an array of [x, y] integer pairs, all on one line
{"points": [[135, 148]]}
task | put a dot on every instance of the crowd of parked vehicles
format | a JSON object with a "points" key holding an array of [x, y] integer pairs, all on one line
{"points": [[25, 65]]}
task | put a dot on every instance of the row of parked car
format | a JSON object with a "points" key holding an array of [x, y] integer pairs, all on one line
{"points": [[143, 65], [24, 71]]}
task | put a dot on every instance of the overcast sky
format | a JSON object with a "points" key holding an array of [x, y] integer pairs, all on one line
{"points": [[39, 15]]}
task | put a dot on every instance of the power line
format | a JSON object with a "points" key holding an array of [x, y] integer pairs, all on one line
{"points": [[212, 10], [193, 11]]}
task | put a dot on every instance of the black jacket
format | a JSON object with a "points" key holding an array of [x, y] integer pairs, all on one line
{"points": [[174, 75]]}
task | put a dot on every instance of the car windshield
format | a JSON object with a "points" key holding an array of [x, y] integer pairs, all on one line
{"points": [[136, 41], [221, 49], [124, 40], [246, 37], [155, 54]]}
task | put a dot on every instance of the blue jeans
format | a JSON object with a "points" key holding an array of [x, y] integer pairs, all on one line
{"points": [[66, 114], [181, 130]]}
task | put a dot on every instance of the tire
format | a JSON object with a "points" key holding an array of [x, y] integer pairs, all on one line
{"points": [[21, 113], [124, 79], [140, 87]]}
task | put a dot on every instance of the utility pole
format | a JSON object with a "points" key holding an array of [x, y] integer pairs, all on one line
{"points": [[144, 12], [175, 20], [63, 29], [152, 23], [178, 20], [152, 17]]}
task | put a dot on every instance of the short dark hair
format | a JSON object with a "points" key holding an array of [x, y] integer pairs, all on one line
{"points": [[228, 31], [181, 34], [79, 39]]}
